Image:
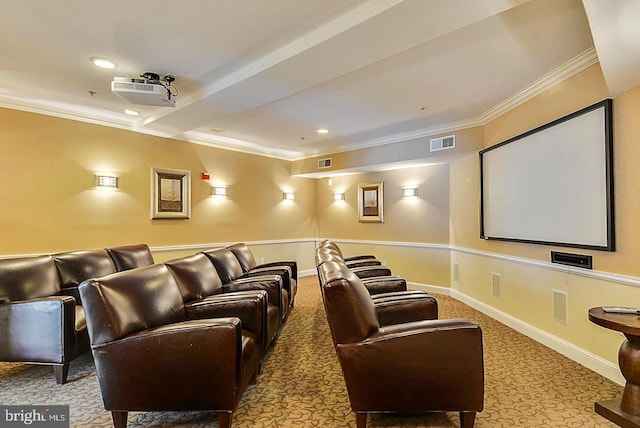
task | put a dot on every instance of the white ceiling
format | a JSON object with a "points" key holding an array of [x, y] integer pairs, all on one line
{"points": [[262, 75]]}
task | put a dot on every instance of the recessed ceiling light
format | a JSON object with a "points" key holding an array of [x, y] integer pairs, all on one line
{"points": [[322, 131], [102, 62], [131, 112]]}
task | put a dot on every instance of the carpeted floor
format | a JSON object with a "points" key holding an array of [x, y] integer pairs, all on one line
{"points": [[527, 385]]}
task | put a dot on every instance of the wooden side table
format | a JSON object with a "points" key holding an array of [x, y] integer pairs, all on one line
{"points": [[624, 412]]}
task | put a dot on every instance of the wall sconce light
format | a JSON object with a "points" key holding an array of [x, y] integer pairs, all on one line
{"points": [[288, 196], [410, 192], [338, 196], [219, 191], [105, 181]]}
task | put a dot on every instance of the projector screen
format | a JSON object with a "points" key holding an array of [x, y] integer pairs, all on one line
{"points": [[552, 185]]}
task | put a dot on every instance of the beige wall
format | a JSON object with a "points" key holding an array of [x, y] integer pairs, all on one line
{"points": [[580, 91], [421, 219], [424, 219], [47, 166], [527, 279], [467, 140]]}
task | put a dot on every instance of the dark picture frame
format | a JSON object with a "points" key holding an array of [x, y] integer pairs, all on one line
{"points": [[371, 202], [170, 193]]}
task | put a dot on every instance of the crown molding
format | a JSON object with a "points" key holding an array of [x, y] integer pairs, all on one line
{"points": [[565, 71], [65, 111], [236, 145], [560, 74]]}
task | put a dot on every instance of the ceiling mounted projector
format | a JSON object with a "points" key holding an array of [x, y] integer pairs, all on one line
{"points": [[149, 90]]}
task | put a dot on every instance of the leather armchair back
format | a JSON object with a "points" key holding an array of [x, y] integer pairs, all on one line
{"points": [[226, 264], [131, 301], [131, 256], [25, 278], [351, 312], [77, 266], [244, 256], [196, 277], [327, 255], [331, 245]]}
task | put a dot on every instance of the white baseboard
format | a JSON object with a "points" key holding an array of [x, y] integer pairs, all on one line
{"points": [[569, 350], [433, 289], [307, 272], [581, 356]]}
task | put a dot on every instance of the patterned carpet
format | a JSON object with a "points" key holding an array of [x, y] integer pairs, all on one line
{"points": [[527, 385]]}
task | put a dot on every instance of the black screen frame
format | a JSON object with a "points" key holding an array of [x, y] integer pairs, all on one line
{"points": [[607, 104]]}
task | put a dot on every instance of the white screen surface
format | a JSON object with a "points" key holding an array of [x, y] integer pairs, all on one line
{"points": [[551, 185]]}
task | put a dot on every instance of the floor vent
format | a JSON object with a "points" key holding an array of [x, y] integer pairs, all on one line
{"points": [[560, 306], [324, 163], [442, 143]]}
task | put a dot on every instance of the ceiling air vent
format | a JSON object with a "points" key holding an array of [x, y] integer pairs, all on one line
{"points": [[324, 163], [443, 143]]}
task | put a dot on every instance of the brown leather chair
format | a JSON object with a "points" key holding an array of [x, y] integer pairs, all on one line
{"points": [[127, 257], [77, 266], [200, 284], [39, 323], [378, 279], [330, 244], [352, 262], [394, 307], [379, 363], [150, 357], [235, 278], [248, 263]]}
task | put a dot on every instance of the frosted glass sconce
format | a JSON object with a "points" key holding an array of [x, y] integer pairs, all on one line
{"points": [[410, 192], [338, 196], [288, 196], [105, 181], [219, 191]]}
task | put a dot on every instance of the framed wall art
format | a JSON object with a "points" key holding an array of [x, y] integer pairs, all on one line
{"points": [[370, 202], [170, 193]]}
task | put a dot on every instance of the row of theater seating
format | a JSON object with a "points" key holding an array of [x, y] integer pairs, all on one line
{"points": [[395, 354], [42, 320], [188, 334]]}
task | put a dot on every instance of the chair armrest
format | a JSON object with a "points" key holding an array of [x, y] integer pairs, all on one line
{"points": [[204, 354], [362, 262], [360, 257], [249, 306], [399, 294], [72, 292], [371, 271], [405, 309], [38, 330], [283, 271], [272, 284], [291, 264], [398, 367], [384, 284]]}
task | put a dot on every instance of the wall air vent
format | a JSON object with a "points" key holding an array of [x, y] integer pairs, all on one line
{"points": [[324, 163], [442, 143], [560, 307]]}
